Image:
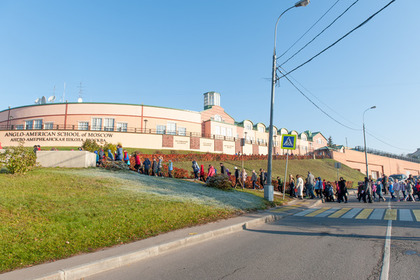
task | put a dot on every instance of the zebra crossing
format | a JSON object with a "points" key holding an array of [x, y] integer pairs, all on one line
{"points": [[406, 215]]}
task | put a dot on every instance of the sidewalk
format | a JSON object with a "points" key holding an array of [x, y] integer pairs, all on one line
{"points": [[85, 265]]}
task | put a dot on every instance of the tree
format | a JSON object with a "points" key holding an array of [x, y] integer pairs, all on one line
{"points": [[330, 142]]}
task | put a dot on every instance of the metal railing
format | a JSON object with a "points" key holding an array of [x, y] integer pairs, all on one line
{"points": [[386, 154]]}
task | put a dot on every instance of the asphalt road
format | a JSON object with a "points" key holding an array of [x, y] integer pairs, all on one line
{"points": [[317, 244]]}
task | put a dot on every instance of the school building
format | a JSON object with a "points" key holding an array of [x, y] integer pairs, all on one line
{"points": [[144, 126]]}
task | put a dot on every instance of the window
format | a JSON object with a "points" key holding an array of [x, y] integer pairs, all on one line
{"points": [[29, 124], [217, 130], [109, 124], [19, 127], [261, 129], [160, 129], [248, 126], [229, 132], [83, 126], [217, 118], [37, 124], [182, 131], [171, 128], [96, 124], [223, 131], [122, 127], [48, 125]]}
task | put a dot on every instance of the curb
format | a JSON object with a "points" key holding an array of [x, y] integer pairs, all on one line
{"points": [[110, 263]]}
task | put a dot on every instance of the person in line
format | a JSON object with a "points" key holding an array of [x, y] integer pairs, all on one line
{"points": [[379, 189], [417, 189], [222, 168], [360, 191], [211, 172], [342, 191], [367, 190], [391, 190], [254, 179], [292, 186], [299, 186], [280, 184], [243, 178], [402, 188], [409, 190], [126, 157], [159, 167], [385, 184], [146, 165], [138, 164], [311, 185], [397, 189], [170, 168], [202, 173], [262, 177], [319, 186], [154, 167], [120, 155], [110, 156], [236, 177], [196, 169]]}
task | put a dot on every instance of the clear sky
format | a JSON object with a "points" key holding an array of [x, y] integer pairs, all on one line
{"points": [[168, 53]]}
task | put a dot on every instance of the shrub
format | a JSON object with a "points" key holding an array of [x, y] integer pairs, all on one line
{"points": [[220, 181], [90, 145], [109, 146], [19, 160], [115, 165]]}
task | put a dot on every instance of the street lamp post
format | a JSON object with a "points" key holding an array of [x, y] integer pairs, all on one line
{"points": [[268, 188], [364, 140]]}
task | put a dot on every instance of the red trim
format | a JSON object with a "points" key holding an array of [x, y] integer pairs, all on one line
{"points": [[65, 115], [141, 121]]}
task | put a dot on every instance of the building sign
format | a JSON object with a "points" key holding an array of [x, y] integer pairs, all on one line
{"points": [[54, 137]]}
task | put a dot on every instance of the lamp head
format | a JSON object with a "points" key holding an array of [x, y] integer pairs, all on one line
{"points": [[302, 3], [373, 107]]}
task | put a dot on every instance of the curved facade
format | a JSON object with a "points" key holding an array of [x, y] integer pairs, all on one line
{"points": [[144, 126]]}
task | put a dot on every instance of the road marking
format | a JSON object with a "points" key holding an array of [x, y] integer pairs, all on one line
{"points": [[339, 213], [327, 213], [377, 214], [417, 215], [405, 215], [319, 211], [391, 214], [387, 250], [303, 213], [364, 214], [353, 212]]}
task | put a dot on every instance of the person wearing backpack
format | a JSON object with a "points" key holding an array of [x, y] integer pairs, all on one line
{"points": [[196, 169]]}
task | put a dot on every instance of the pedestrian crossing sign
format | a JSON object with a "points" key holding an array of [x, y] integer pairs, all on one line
{"points": [[288, 141]]}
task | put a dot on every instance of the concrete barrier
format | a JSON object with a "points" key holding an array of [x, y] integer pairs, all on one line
{"points": [[72, 159]]}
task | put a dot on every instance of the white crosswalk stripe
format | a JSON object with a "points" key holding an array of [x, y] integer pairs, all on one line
{"points": [[353, 212], [377, 214], [405, 215], [303, 213], [327, 213]]}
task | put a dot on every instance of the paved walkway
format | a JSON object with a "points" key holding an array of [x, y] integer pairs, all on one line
{"points": [[84, 265]]}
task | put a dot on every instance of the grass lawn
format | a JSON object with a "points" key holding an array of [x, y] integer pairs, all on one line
{"points": [[49, 214]]}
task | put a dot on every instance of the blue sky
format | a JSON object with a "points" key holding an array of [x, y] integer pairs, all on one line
{"points": [[168, 53]]}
